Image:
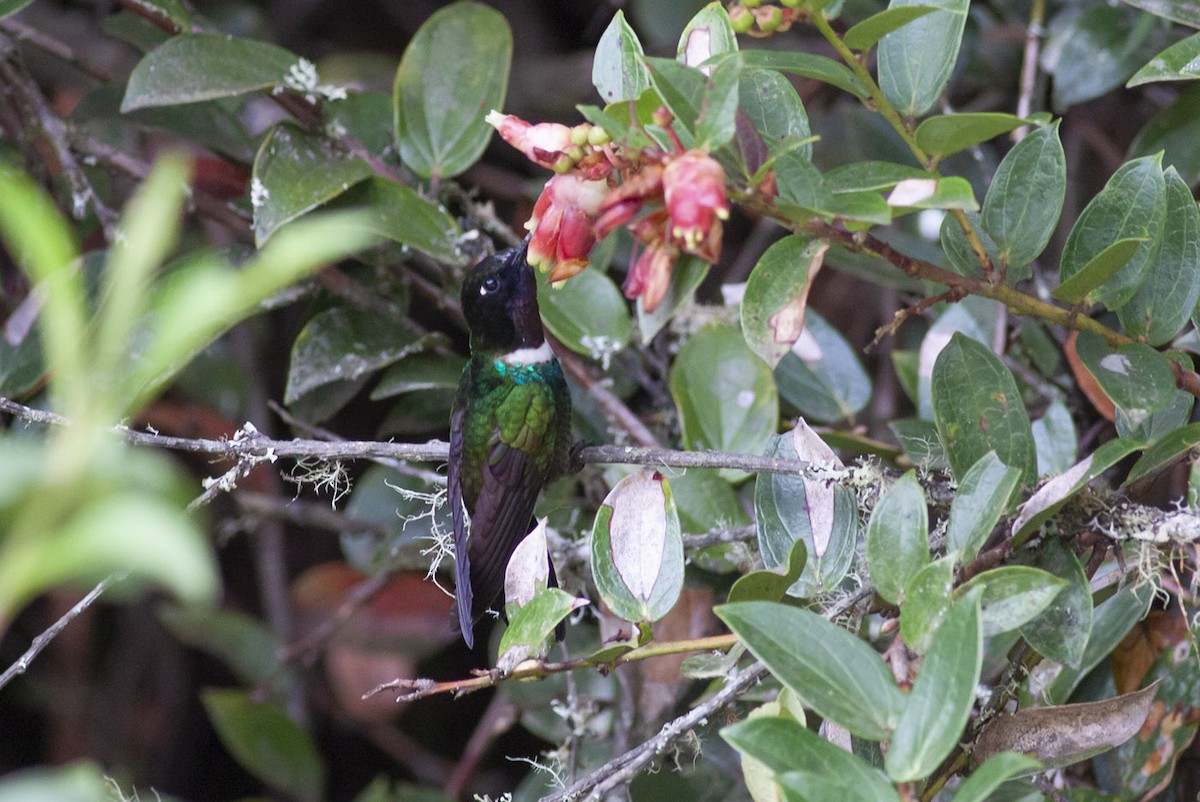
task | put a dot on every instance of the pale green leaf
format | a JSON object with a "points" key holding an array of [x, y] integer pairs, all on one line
{"points": [[845, 680], [201, 66], [452, 73]]}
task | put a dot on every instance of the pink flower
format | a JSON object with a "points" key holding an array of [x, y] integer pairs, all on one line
{"points": [[551, 145], [694, 193], [650, 275], [562, 224]]}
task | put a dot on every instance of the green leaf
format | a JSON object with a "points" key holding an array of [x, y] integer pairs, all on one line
{"points": [[133, 531], [295, 172], [1131, 205], [822, 376], [707, 34], [844, 681], [1061, 632], [939, 705], [787, 748], [776, 295], [150, 224], [706, 502], [681, 88], [927, 599], [1173, 130], [915, 61], [716, 124], [367, 116], [535, 621], [587, 314], [212, 123], [1013, 595], [1021, 222], [236, 639], [340, 344], [807, 65], [172, 10], [1050, 497], [1162, 304], [201, 66], [1178, 411], [1096, 51], [1057, 444], [1137, 378], [44, 247], [10, 7], [920, 441], [453, 71], [425, 370], [725, 394], [898, 537], [1177, 63], [266, 742], [865, 34], [971, 317], [983, 496], [949, 133], [396, 212], [1164, 453], [769, 584], [1097, 270], [774, 106], [617, 69], [871, 175], [1175, 10], [82, 781], [978, 409], [1111, 622], [637, 548], [998, 769], [792, 508]]}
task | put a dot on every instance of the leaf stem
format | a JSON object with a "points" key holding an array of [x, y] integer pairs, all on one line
{"points": [[883, 106]]}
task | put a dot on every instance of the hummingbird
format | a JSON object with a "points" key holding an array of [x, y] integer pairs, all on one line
{"points": [[510, 428]]}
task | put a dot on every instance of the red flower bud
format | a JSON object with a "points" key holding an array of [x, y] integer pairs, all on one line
{"points": [[562, 224], [694, 193], [650, 275], [546, 144]]}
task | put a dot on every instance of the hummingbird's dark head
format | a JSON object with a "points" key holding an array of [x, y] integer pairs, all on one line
{"points": [[499, 301]]}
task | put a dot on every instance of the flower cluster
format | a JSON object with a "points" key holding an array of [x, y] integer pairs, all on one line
{"points": [[600, 186]]}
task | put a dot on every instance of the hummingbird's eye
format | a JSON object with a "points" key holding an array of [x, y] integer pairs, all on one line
{"points": [[490, 285]]}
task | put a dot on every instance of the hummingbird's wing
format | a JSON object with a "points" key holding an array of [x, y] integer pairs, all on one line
{"points": [[454, 488], [502, 517]]}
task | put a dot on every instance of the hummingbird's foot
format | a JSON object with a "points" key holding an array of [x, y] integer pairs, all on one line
{"points": [[575, 460]]}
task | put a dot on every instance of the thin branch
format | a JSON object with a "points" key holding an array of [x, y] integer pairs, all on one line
{"points": [[249, 444], [37, 112], [55, 47], [1016, 301], [43, 640], [420, 688], [1029, 63], [622, 769], [738, 534]]}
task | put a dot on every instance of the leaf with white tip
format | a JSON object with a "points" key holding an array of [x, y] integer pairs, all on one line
{"points": [[637, 548]]}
